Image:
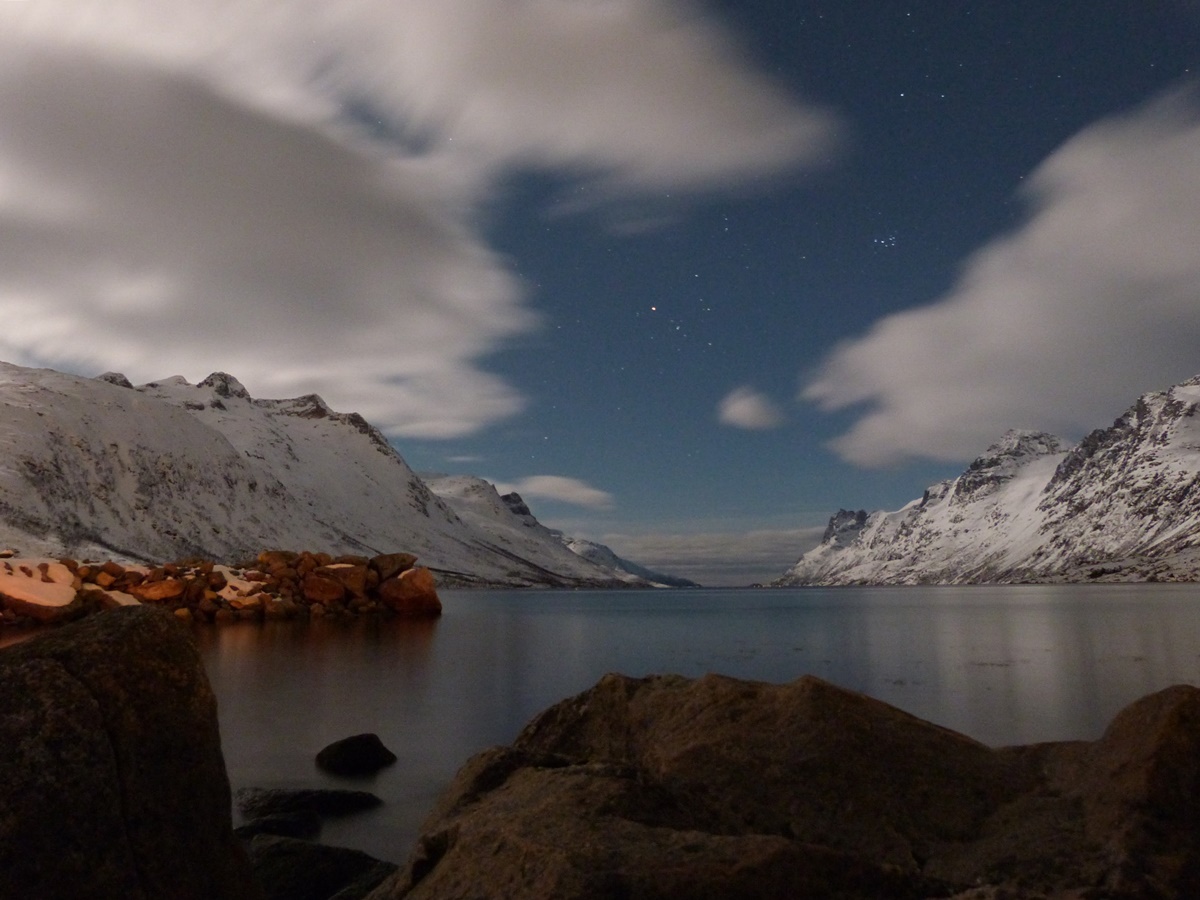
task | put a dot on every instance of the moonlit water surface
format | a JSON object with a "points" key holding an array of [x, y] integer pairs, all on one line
{"points": [[1001, 664]]}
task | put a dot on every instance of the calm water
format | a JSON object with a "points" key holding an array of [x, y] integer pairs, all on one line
{"points": [[1002, 664]]}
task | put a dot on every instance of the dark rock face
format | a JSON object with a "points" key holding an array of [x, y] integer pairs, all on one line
{"points": [[1002, 460], [290, 869], [666, 787], [115, 378], [112, 783], [358, 755], [844, 526], [225, 385], [303, 823], [255, 803]]}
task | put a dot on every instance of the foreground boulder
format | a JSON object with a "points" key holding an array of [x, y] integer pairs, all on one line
{"points": [[669, 788], [112, 783], [290, 869]]}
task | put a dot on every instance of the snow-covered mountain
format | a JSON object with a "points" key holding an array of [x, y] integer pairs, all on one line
{"points": [[604, 556], [170, 469], [514, 528], [1124, 504]]}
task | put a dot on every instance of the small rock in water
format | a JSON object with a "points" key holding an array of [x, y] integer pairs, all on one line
{"points": [[359, 755]]}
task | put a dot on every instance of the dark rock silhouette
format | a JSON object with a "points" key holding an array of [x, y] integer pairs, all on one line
{"points": [[254, 803], [290, 869], [358, 755], [666, 787], [112, 783]]}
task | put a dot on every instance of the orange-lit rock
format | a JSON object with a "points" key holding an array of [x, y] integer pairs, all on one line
{"points": [[323, 589], [159, 591], [352, 577], [389, 565], [43, 601], [412, 593]]}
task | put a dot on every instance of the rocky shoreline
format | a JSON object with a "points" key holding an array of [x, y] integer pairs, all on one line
{"points": [[655, 788], [277, 584]]}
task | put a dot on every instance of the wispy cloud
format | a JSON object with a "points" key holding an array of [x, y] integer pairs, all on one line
{"points": [[287, 189], [1056, 326], [560, 488], [746, 408], [718, 559]]}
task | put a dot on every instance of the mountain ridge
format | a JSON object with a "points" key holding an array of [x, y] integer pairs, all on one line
{"points": [[1122, 504], [169, 470]]}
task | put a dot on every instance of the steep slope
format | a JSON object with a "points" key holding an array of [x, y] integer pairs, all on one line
{"points": [[1129, 494], [92, 464], [1123, 504], [170, 469]]}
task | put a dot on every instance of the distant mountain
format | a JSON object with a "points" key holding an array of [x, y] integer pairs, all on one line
{"points": [[170, 469], [1124, 504], [513, 526], [606, 558]]}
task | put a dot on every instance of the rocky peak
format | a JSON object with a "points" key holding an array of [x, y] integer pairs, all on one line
{"points": [[517, 505], [519, 508], [1019, 443], [1149, 421], [225, 385], [310, 406], [115, 378], [1001, 461], [936, 492], [844, 526]]}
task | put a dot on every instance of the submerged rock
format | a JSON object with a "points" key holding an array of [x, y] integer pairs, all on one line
{"points": [[112, 783], [666, 787], [302, 823], [254, 803]]}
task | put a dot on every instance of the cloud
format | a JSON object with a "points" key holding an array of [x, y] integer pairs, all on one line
{"points": [[287, 189], [190, 233], [718, 559], [560, 488], [649, 91], [746, 408], [1057, 326]]}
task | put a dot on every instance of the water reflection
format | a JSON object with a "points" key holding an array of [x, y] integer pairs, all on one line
{"points": [[1002, 664]]}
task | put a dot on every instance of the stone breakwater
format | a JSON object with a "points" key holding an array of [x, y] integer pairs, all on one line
{"points": [[277, 584]]}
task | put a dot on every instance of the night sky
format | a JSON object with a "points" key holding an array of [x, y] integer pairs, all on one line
{"points": [[688, 277]]}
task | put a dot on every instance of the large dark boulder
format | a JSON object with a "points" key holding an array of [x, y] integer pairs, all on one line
{"points": [[357, 756], [290, 869], [670, 788], [112, 783]]}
